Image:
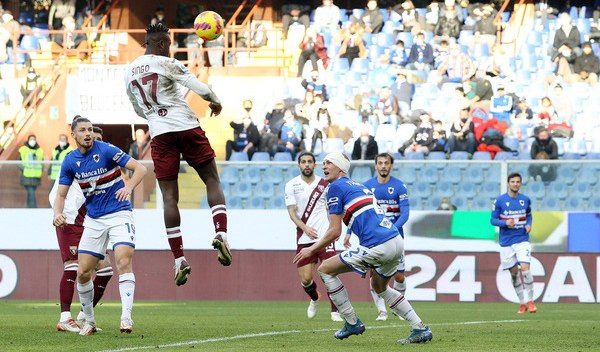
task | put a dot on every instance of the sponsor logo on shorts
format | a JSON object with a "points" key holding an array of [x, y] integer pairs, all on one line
{"points": [[162, 112]]}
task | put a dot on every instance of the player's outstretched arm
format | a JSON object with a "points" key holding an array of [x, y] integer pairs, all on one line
{"points": [[333, 232], [184, 77], [139, 171], [59, 218]]}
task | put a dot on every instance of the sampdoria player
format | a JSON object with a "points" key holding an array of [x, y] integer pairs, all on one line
{"points": [[380, 249], [96, 166], [153, 83], [392, 198], [511, 212], [305, 201], [68, 240]]}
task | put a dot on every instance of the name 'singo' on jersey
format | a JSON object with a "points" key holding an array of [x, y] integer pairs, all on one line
{"points": [[98, 173], [154, 87]]}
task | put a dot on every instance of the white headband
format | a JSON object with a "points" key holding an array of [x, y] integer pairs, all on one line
{"points": [[338, 159]]}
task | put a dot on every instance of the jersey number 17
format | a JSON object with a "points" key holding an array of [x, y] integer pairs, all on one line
{"points": [[153, 80]]}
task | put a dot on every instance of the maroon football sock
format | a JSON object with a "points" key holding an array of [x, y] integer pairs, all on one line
{"points": [[311, 291], [175, 241], [67, 288], [219, 213], [100, 281]]}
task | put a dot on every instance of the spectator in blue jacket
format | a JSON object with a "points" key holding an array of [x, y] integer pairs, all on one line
{"points": [[421, 54], [501, 106], [290, 135]]}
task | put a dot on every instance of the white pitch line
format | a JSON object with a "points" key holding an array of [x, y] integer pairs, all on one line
{"points": [[287, 332]]}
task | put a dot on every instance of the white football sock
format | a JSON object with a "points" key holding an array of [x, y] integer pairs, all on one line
{"points": [[127, 290], [339, 296], [64, 316], [81, 315], [400, 287], [400, 306], [178, 262], [86, 297], [518, 285], [379, 302], [528, 283]]}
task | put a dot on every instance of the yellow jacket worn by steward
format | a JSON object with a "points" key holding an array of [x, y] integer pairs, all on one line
{"points": [[31, 170]]}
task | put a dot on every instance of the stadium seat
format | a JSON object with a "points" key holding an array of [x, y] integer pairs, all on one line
{"points": [[239, 156], [467, 189], [204, 204], [341, 65], [255, 203], [482, 203], [593, 156], [536, 189], [242, 189], [560, 142], [504, 156], [581, 190], [452, 174], [264, 189], [460, 202], [29, 42], [433, 202], [360, 65], [421, 189], [588, 174], [558, 189], [415, 203], [276, 203], [550, 203], [429, 174], [229, 174], [573, 204], [436, 156], [251, 174], [234, 202], [571, 156], [407, 38], [282, 156], [361, 173], [512, 143], [474, 174], [566, 174], [459, 155], [444, 189], [406, 173], [385, 40], [489, 189], [274, 175], [414, 156], [261, 157], [482, 156], [594, 203], [578, 146]]}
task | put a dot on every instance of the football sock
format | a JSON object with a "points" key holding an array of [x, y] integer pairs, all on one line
{"points": [[219, 214], [333, 307], [528, 283], [127, 290], [518, 285], [379, 302], [178, 261], [86, 297], [67, 289], [400, 306], [175, 241], [338, 294], [100, 281], [311, 291], [400, 287]]}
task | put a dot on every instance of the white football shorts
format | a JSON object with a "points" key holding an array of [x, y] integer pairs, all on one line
{"points": [[518, 253], [117, 229], [384, 258]]}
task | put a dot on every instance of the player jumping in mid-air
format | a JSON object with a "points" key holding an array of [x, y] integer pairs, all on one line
{"points": [[511, 212], [380, 249], [96, 166], [153, 83], [308, 210], [392, 198], [68, 240]]}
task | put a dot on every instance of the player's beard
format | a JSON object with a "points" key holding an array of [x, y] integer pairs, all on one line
{"points": [[308, 172], [384, 174]]}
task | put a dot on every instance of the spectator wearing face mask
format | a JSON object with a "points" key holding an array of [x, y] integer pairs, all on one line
{"points": [[315, 85], [371, 19], [586, 66], [31, 170], [421, 55], [365, 147], [566, 36], [446, 204], [245, 135], [327, 17], [294, 12], [544, 143], [422, 139], [290, 135], [58, 154], [462, 134], [31, 84]]}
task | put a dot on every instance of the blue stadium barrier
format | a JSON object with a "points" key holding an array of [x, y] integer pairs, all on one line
{"points": [[571, 156], [414, 156], [437, 156], [505, 156]]}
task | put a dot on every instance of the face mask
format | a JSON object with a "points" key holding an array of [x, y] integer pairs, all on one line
{"points": [[587, 51], [248, 109], [364, 139], [567, 53], [62, 144], [160, 17], [32, 143], [463, 119]]}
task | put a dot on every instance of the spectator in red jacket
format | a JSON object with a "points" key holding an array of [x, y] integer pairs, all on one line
{"points": [[313, 49]]}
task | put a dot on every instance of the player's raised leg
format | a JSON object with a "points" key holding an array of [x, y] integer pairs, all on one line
{"points": [[87, 262], [124, 259], [216, 199], [329, 271]]}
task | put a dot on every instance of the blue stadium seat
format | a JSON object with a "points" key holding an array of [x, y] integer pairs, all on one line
{"points": [[415, 203], [344, 15], [482, 203], [558, 189], [512, 143], [494, 173], [375, 52], [204, 203], [420, 189], [566, 174], [354, 78], [406, 173], [593, 156], [594, 203], [341, 65], [333, 145], [588, 174], [573, 204], [234, 202], [385, 40], [482, 156], [407, 38], [242, 189], [251, 174], [571, 156], [264, 189], [550, 203], [414, 156], [274, 175], [536, 189], [226, 189], [239, 156], [504, 156], [578, 146], [282, 156], [436, 156], [361, 173], [481, 50], [467, 189], [261, 156], [433, 202], [360, 65], [429, 174], [459, 155], [460, 202], [276, 203], [474, 174], [560, 142], [255, 203], [452, 173], [229, 174], [489, 189], [444, 189], [29, 42], [291, 173]]}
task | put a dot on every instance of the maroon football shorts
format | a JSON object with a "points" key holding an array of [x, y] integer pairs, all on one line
{"points": [[166, 148], [68, 241], [323, 254]]}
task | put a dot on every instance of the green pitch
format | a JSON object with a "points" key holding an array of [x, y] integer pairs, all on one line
{"points": [[283, 326]]}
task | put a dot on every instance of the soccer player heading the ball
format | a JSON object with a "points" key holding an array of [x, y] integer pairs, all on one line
{"points": [[152, 83], [380, 248]]}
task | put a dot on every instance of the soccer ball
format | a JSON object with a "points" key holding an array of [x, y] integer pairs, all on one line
{"points": [[208, 25]]}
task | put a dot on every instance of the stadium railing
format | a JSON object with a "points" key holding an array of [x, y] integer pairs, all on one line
{"points": [[469, 185]]}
